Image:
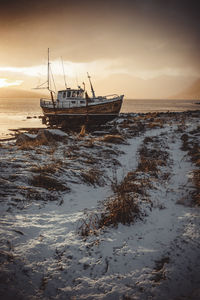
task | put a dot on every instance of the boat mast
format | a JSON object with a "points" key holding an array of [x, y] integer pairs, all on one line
{"points": [[48, 82], [64, 73], [48, 68], [92, 90]]}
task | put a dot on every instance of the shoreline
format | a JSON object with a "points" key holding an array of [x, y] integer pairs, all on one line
{"points": [[22, 113], [33, 129]]}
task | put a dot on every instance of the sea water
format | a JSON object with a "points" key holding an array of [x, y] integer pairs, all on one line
{"points": [[23, 113]]}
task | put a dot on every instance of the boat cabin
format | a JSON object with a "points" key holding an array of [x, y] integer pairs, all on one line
{"points": [[71, 94]]}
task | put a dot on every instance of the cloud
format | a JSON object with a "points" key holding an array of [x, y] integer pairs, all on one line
{"points": [[5, 82], [91, 30], [141, 38]]}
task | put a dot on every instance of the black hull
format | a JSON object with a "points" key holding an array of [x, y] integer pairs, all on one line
{"points": [[77, 121]]}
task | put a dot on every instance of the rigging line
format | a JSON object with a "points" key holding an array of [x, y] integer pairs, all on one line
{"points": [[38, 86], [53, 79]]}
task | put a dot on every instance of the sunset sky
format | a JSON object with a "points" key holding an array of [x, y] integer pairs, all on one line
{"points": [[140, 48]]}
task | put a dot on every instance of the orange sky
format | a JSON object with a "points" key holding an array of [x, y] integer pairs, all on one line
{"points": [[141, 48]]}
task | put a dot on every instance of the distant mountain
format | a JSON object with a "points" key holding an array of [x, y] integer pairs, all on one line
{"points": [[192, 92], [19, 93], [133, 87]]}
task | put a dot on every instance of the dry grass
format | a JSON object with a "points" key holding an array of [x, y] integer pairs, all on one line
{"points": [[148, 139], [122, 208], [195, 131], [51, 150], [154, 153], [82, 132], [89, 226], [130, 184], [194, 152], [135, 127], [32, 194], [151, 159], [145, 165], [32, 144], [113, 138], [155, 124], [196, 194], [89, 144], [93, 177], [48, 183], [191, 145], [159, 270], [46, 169]]}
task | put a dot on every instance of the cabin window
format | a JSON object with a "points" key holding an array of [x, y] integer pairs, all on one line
{"points": [[73, 102], [82, 101], [64, 95], [68, 94]]}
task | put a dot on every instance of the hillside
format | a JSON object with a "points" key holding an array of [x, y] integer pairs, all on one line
{"points": [[192, 92], [133, 87]]}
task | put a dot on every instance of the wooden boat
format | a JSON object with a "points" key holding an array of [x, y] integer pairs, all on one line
{"points": [[73, 107]]}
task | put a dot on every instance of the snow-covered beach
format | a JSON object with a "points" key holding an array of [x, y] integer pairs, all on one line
{"points": [[56, 187]]}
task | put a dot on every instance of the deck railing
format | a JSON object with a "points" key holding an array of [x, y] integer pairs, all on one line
{"points": [[109, 96], [59, 104], [48, 103]]}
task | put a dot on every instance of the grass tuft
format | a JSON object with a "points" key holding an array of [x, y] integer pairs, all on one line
{"points": [[46, 169], [114, 139], [122, 208], [93, 177], [89, 226], [48, 183]]}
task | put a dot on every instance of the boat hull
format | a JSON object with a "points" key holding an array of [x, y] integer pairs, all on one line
{"points": [[75, 117]]}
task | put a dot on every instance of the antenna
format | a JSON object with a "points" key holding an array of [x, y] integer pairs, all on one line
{"points": [[64, 73], [92, 90]]}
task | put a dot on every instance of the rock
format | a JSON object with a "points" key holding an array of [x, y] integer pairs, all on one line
{"points": [[51, 135], [43, 137], [25, 137]]}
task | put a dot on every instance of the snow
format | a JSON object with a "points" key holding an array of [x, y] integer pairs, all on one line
{"points": [[156, 257]]}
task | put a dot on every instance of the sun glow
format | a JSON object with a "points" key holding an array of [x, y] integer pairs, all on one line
{"points": [[4, 82], [71, 68]]}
